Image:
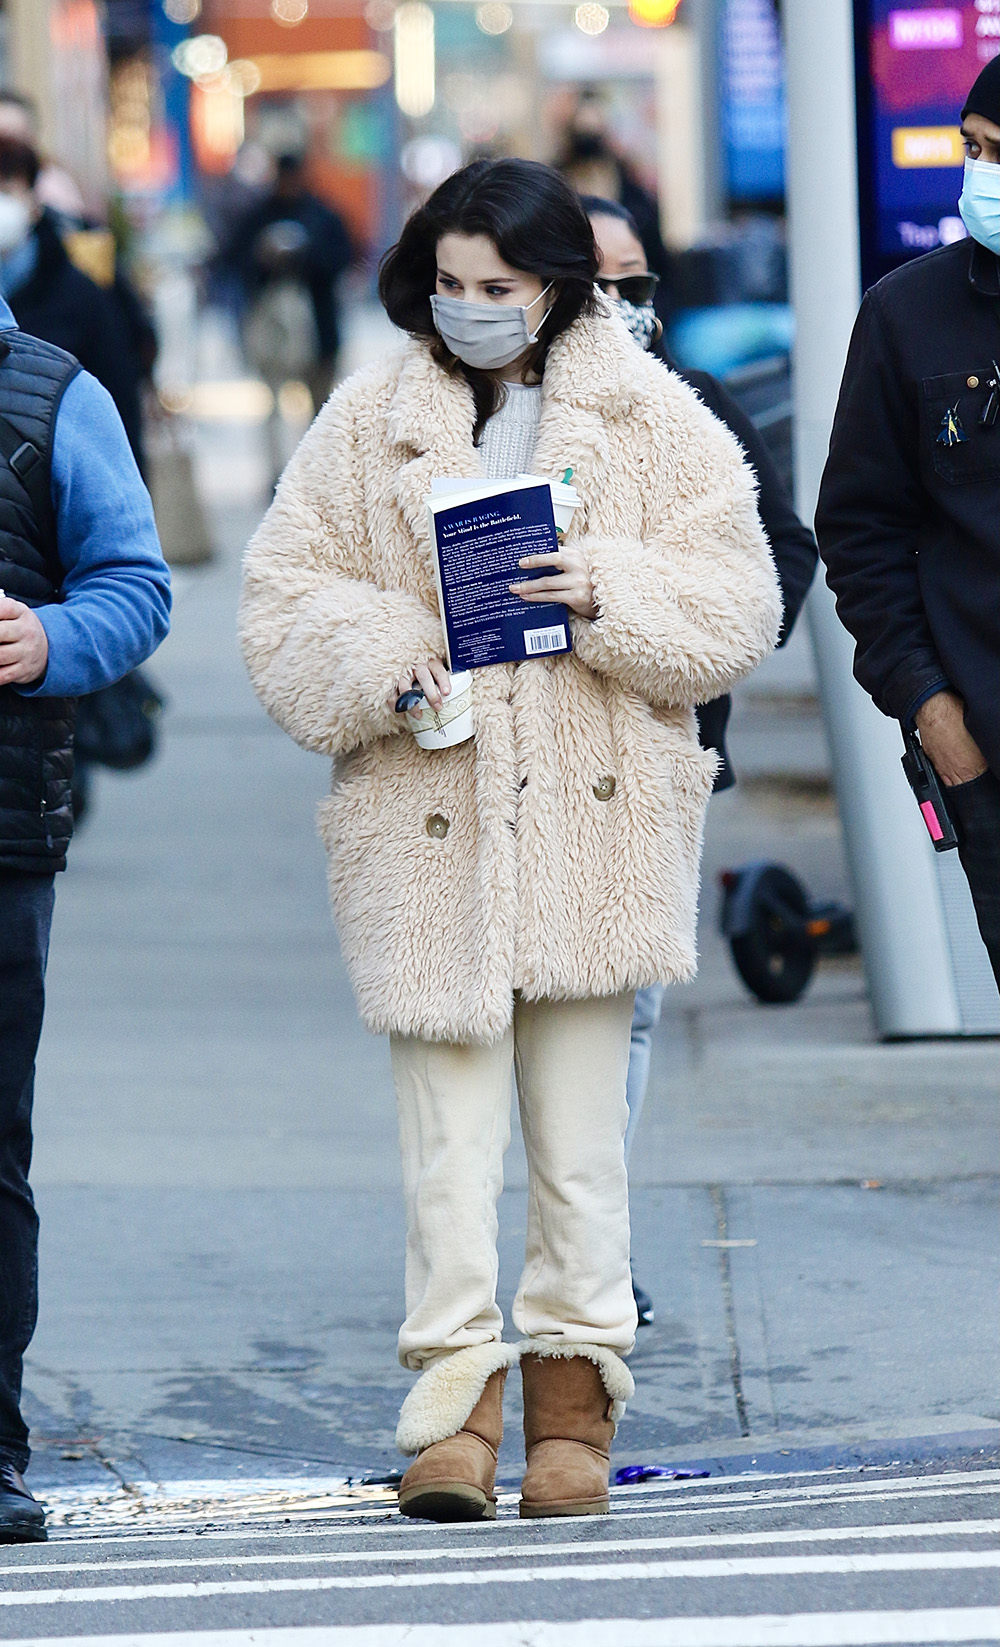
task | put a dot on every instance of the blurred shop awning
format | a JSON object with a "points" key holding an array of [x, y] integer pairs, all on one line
{"points": [[304, 71]]}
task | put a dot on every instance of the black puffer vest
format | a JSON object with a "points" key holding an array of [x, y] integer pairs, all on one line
{"points": [[36, 734]]}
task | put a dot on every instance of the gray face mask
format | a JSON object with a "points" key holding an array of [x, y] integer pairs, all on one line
{"points": [[485, 335]]}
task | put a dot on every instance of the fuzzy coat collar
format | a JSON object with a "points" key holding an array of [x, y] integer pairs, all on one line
{"points": [[593, 366], [593, 374]]}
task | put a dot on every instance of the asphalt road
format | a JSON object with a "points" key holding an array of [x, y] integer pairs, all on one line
{"points": [[819, 1557]]}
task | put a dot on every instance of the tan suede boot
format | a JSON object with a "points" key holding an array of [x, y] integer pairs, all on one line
{"points": [[567, 1437], [453, 1480]]}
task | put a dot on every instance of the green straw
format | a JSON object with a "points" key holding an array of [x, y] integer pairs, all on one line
{"points": [[567, 476]]}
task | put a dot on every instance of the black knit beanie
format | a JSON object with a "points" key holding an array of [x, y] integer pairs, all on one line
{"points": [[984, 98]]}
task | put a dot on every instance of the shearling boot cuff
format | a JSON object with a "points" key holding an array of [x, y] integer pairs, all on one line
{"points": [[617, 1379], [444, 1396]]}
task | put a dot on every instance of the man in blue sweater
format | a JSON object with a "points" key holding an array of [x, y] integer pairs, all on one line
{"points": [[85, 598]]}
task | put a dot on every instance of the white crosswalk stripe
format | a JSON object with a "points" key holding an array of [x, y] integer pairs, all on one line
{"points": [[895, 1558], [598, 1572], [839, 1535], [854, 1629]]}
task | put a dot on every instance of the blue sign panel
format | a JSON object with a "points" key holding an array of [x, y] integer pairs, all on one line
{"points": [[752, 84]]}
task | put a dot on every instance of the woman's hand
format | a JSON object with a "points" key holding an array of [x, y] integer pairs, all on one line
{"points": [[569, 583], [431, 677]]}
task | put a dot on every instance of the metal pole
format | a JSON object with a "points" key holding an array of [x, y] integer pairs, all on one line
{"points": [[703, 18], [900, 918]]}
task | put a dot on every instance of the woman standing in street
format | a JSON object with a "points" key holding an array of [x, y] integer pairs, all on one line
{"points": [[499, 902]]}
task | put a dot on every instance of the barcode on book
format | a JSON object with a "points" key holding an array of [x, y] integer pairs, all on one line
{"points": [[544, 640]]}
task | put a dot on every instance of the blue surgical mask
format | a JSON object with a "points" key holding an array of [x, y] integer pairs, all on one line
{"points": [[980, 203]]}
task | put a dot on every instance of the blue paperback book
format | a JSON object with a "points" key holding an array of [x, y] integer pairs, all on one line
{"points": [[480, 530]]}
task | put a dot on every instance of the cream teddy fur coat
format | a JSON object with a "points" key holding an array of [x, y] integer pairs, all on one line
{"points": [[558, 852]]}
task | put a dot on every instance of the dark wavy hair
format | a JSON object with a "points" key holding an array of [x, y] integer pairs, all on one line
{"points": [[18, 161], [595, 205], [538, 226]]}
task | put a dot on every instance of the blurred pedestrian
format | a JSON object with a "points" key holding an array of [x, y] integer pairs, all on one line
{"points": [[55, 187], [225, 202], [85, 599], [499, 902], [590, 161], [54, 300], [625, 278], [290, 250], [91, 248], [909, 511]]}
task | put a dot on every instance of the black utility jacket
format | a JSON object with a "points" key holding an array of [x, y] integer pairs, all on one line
{"points": [[909, 511], [64, 306], [793, 546]]}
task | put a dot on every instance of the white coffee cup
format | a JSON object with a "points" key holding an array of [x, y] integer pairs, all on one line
{"points": [[565, 502], [451, 724]]}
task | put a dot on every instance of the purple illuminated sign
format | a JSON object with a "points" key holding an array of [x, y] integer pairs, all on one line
{"points": [[916, 60], [926, 30]]}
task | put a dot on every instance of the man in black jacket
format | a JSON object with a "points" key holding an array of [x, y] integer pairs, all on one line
{"points": [[909, 511]]}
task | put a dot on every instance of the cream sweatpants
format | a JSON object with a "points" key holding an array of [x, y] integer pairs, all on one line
{"points": [[570, 1059]]}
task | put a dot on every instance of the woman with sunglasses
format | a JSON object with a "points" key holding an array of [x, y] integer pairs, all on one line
{"points": [[631, 287], [499, 902]]}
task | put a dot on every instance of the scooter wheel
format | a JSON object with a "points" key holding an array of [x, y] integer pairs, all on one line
{"points": [[774, 953]]}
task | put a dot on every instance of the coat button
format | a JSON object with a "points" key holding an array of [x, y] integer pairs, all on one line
{"points": [[437, 826], [604, 788], [972, 382]]}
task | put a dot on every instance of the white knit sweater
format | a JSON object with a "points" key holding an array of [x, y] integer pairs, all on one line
{"points": [[508, 443]]}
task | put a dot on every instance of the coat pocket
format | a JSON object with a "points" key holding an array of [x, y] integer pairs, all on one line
{"points": [[684, 774], [692, 779], [690, 774], [400, 834], [957, 447]]}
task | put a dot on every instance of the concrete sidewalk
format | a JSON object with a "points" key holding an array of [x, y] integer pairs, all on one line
{"points": [[216, 1165]]}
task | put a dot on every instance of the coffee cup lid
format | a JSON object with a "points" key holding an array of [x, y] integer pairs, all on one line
{"points": [[562, 493]]}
